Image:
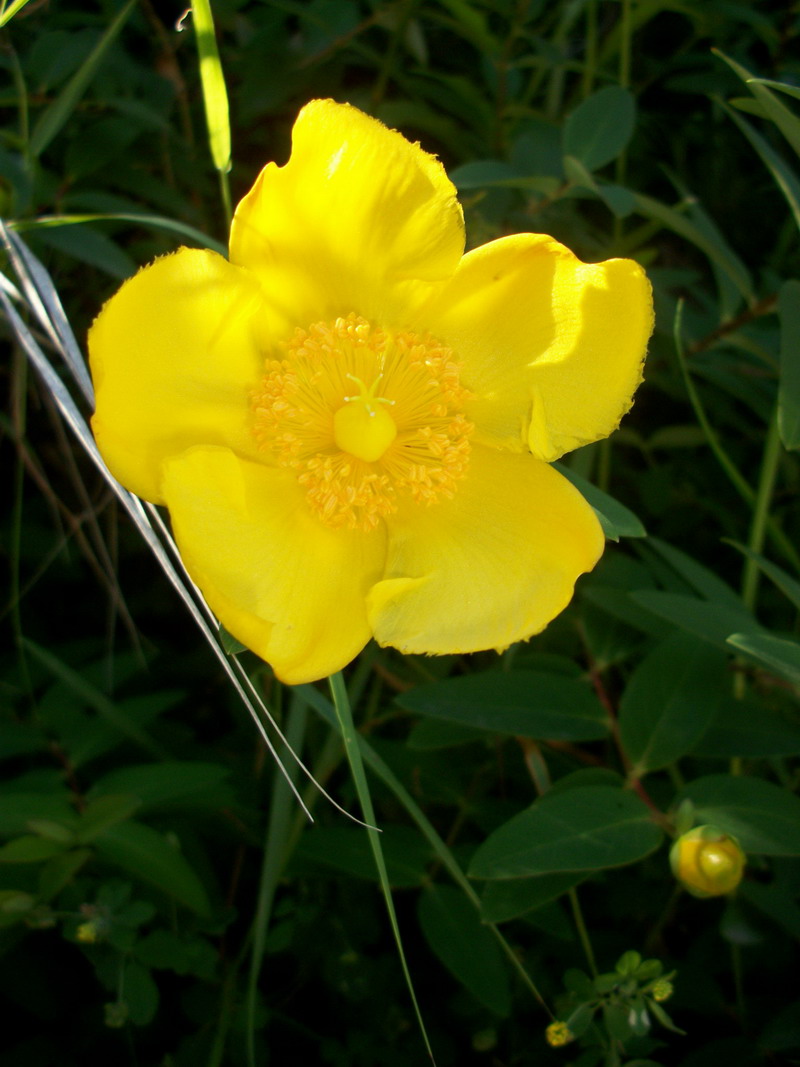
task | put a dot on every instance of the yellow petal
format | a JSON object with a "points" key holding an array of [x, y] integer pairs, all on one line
{"points": [[552, 347], [174, 357], [286, 586], [359, 219], [491, 566]]}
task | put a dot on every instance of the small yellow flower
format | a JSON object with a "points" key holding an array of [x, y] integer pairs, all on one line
{"points": [[350, 421], [707, 862], [662, 990], [87, 933], [558, 1034]]}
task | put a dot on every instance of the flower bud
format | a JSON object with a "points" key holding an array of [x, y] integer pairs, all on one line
{"points": [[707, 862], [662, 990], [558, 1034]]}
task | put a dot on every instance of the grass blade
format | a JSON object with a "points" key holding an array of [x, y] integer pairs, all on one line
{"points": [[344, 715]]}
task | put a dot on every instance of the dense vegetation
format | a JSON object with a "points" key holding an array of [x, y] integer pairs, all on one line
{"points": [[163, 898]]}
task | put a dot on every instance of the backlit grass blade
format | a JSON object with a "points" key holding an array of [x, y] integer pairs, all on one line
{"points": [[43, 302], [317, 701], [350, 736], [157, 222], [9, 12], [54, 117], [215, 96]]}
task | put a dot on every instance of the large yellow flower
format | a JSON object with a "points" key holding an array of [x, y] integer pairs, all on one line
{"points": [[350, 421]]}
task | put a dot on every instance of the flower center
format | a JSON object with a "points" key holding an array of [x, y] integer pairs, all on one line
{"points": [[359, 453], [361, 427]]}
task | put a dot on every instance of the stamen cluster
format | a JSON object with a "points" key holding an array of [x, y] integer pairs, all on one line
{"points": [[297, 400]]}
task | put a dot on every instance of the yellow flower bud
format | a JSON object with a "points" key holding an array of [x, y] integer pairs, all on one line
{"points": [[87, 933], [707, 862], [662, 990], [558, 1034]]}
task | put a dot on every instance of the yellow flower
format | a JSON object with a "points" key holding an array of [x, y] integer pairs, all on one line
{"points": [[87, 933], [350, 421], [558, 1034], [707, 862]]}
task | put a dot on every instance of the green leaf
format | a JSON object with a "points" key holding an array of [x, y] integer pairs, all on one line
{"points": [[787, 122], [582, 829], [139, 993], [765, 818], [60, 870], [506, 900], [782, 173], [482, 173], [599, 129], [56, 115], [30, 849], [787, 585], [17, 810], [346, 849], [97, 700], [617, 520], [716, 249], [524, 703], [431, 734], [618, 199], [88, 245], [784, 87], [465, 946], [670, 701], [105, 812], [789, 386], [779, 656], [700, 578], [232, 645], [578, 175], [713, 622], [149, 856], [744, 728], [170, 782]]}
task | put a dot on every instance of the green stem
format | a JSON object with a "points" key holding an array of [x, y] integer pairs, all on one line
{"points": [[352, 748], [763, 500], [440, 849], [583, 933], [275, 855], [225, 192], [744, 489]]}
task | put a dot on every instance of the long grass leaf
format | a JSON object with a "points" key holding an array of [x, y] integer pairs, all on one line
{"points": [[350, 736], [787, 122], [674, 220], [9, 12], [784, 176], [276, 849], [45, 303], [215, 95], [315, 699], [157, 222], [65, 103]]}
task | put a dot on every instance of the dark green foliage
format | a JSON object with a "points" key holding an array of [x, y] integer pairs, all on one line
{"points": [[147, 843]]}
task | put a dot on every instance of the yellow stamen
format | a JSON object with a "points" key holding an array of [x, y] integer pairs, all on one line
{"points": [[358, 456]]}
